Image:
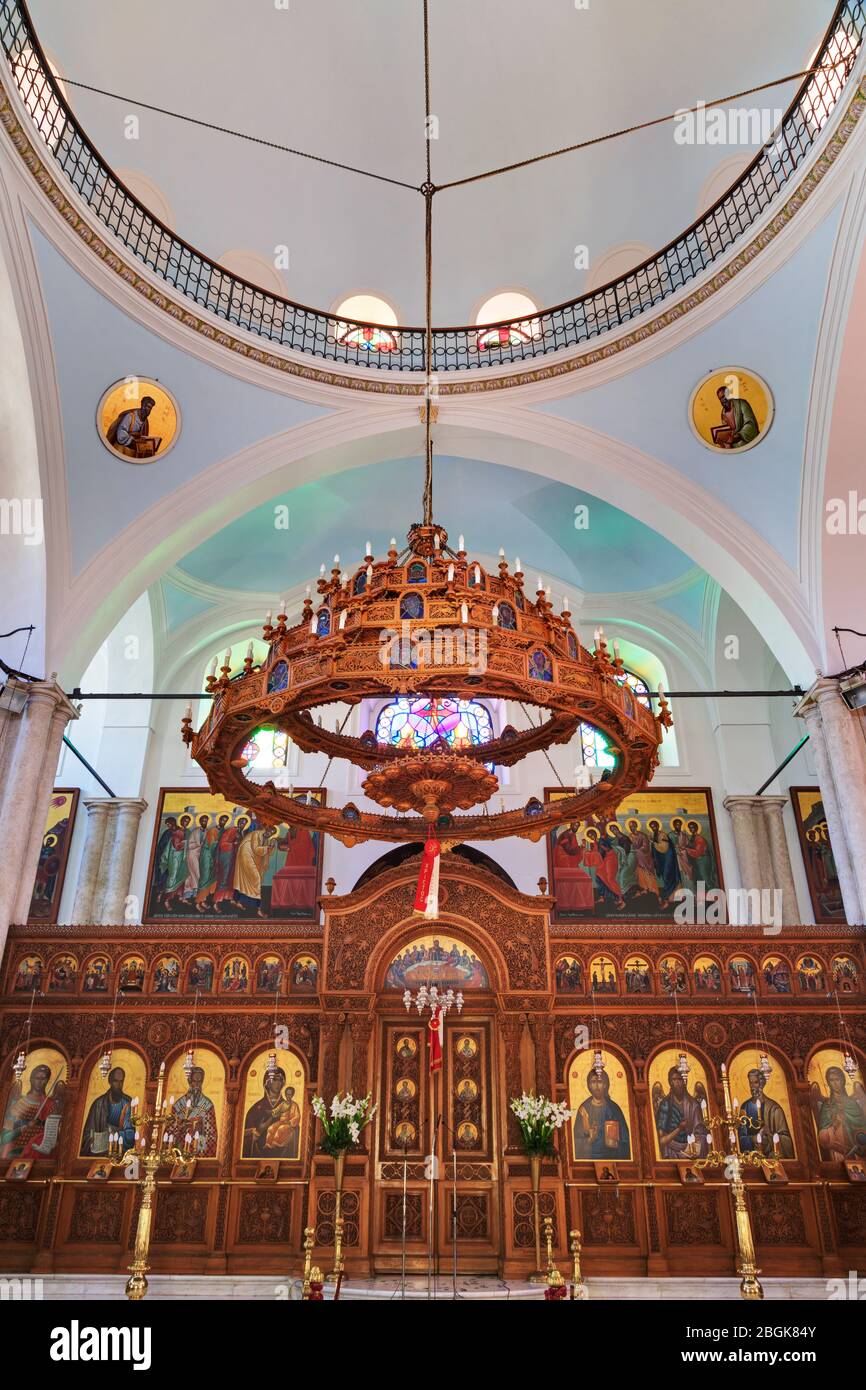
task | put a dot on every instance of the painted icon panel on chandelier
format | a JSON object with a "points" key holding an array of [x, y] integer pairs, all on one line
{"points": [[273, 1108], [640, 864], [437, 959], [53, 855], [212, 859]]}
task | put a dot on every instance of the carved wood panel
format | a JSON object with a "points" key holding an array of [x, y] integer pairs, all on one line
{"points": [[97, 1216], [692, 1218]]}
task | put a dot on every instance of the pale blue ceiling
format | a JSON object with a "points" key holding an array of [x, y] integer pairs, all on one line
{"points": [[492, 506], [96, 344], [773, 333], [343, 79]]}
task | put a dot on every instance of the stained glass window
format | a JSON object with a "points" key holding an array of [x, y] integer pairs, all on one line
{"points": [[422, 722], [268, 748], [507, 617], [417, 573], [411, 606], [323, 623], [360, 583]]}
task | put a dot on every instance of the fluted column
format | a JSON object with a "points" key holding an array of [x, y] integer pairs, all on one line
{"points": [[748, 842], [88, 871], [26, 792], [780, 857], [811, 716], [846, 750], [126, 815]]}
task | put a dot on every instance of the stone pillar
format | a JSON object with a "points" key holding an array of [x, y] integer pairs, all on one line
{"points": [[85, 891], [748, 841], [811, 716], [846, 750], [126, 812], [780, 857], [26, 792]]}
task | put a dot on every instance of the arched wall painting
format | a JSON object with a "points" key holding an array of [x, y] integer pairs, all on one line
{"points": [[108, 1103], [273, 1108], [33, 1108], [821, 873], [211, 859], [838, 1106], [198, 1103], [51, 869], [678, 1114], [601, 1126], [764, 1106], [437, 959], [634, 867]]}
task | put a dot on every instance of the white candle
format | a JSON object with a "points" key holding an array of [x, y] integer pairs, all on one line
{"points": [[495, 613], [540, 584], [268, 617], [460, 544], [250, 652], [464, 613], [337, 561], [565, 607], [477, 574], [502, 552], [450, 573], [369, 573], [369, 547], [321, 569], [776, 1145], [343, 616], [393, 542], [313, 626], [282, 606], [228, 657], [213, 664], [308, 590], [189, 712], [517, 564]]}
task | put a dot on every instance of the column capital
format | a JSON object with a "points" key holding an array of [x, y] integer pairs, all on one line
{"points": [[98, 803], [48, 691], [129, 803], [774, 803], [741, 803]]}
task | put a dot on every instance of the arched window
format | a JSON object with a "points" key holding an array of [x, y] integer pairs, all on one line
{"points": [[422, 722], [373, 332], [594, 745], [522, 327], [268, 748]]}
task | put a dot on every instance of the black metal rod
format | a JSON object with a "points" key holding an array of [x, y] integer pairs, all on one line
{"points": [[783, 765], [796, 694], [92, 770]]}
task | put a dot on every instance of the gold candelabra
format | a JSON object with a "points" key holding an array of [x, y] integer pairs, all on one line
{"points": [[726, 1152], [152, 1156]]}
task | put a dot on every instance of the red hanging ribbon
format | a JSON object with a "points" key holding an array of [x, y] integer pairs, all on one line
{"points": [[427, 892]]}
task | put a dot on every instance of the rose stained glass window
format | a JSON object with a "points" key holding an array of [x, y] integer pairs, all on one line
{"points": [[417, 722]]}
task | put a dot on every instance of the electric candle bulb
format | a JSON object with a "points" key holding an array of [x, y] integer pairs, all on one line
{"points": [[282, 605], [343, 616], [517, 564], [322, 570], [464, 613], [690, 1139], [393, 542], [540, 584], [189, 712], [776, 1144], [268, 617], [250, 652], [228, 657], [368, 547], [437, 540], [495, 613], [213, 666], [565, 607], [312, 627], [369, 573], [460, 544], [477, 574], [450, 573], [502, 552], [337, 560]]}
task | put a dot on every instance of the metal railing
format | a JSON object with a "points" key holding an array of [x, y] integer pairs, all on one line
{"points": [[323, 335]]}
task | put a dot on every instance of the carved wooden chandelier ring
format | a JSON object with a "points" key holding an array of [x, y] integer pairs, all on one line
{"points": [[428, 622]]}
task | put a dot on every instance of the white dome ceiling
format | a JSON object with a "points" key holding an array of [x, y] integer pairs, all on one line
{"points": [[345, 80]]}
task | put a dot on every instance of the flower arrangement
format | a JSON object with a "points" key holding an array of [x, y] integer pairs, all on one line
{"points": [[343, 1122], [539, 1117]]}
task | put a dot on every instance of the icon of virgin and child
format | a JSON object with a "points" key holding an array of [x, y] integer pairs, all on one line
{"points": [[600, 1128], [272, 1128]]}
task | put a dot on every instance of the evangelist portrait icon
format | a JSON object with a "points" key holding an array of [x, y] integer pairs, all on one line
{"points": [[405, 1046], [680, 1106], [34, 1107], [138, 420], [731, 409]]}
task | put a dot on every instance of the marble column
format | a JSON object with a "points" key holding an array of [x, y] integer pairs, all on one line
{"points": [[30, 768], [773, 808], [126, 814], [844, 731], [91, 858], [747, 839], [811, 716]]}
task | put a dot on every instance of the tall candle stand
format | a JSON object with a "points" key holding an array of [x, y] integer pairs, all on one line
{"points": [[160, 1152], [726, 1152]]}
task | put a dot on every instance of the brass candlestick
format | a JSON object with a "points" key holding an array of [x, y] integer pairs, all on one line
{"points": [[538, 1276], [339, 1168], [578, 1287], [160, 1152], [727, 1154], [309, 1237]]}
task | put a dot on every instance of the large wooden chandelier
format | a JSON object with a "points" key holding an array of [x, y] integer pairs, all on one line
{"points": [[427, 621]]}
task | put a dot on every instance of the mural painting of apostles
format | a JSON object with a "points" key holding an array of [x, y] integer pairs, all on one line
{"points": [[273, 1108], [33, 1112], [764, 1105], [198, 1109], [822, 874], [438, 960], [680, 1104], [28, 974], [108, 1103], [838, 1105], [636, 866], [212, 859], [601, 1127]]}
